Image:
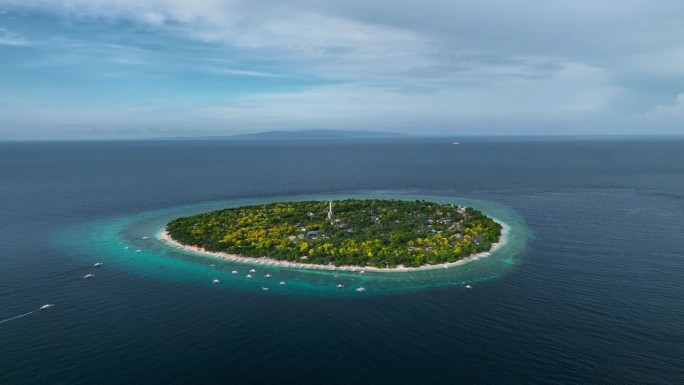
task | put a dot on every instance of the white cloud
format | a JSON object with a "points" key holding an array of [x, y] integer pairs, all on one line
{"points": [[661, 119], [247, 73], [666, 112], [667, 61], [434, 61], [308, 37], [12, 39], [153, 18]]}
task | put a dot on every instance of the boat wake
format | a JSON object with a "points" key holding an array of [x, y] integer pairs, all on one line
{"points": [[44, 307]]}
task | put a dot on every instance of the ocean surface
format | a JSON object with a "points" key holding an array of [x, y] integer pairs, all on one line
{"points": [[588, 289]]}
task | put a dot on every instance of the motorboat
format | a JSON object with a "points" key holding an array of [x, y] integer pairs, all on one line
{"points": [[264, 288], [46, 306], [252, 271], [361, 289], [267, 275], [233, 272], [97, 264], [249, 276], [281, 283], [145, 237], [339, 286], [88, 276], [215, 281], [468, 287], [138, 251]]}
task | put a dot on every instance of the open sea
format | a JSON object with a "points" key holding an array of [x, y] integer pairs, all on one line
{"points": [[588, 289]]}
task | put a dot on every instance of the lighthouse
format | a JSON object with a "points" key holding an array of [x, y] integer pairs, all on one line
{"points": [[330, 211]]}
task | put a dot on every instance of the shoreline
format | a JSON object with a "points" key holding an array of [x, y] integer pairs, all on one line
{"points": [[164, 236]]}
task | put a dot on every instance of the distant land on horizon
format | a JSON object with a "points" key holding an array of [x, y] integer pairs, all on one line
{"points": [[314, 134], [317, 134]]}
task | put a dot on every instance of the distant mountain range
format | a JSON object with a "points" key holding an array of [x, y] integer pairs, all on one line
{"points": [[317, 134]]}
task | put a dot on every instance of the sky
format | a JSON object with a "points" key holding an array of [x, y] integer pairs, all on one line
{"points": [[93, 69]]}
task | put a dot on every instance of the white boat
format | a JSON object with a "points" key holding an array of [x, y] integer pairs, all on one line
{"points": [[361, 289], [281, 283], [145, 237], [362, 272], [212, 265], [468, 287], [248, 275], [264, 288], [46, 306], [138, 251], [126, 248], [97, 264], [267, 275], [339, 286], [88, 276], [216, 281], [456, 143], [233, 272], [252, 271]]}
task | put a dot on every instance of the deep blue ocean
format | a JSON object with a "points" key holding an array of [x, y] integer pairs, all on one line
{"points": [[588, 290]]}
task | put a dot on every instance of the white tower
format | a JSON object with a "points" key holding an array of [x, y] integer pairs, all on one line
{"points": [[330, 211]]}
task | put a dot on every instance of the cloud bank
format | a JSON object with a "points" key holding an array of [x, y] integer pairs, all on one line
{"points": [[437, 66]]}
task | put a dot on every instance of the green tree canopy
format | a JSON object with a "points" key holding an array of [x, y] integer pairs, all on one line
{"points": [[378, 233]]}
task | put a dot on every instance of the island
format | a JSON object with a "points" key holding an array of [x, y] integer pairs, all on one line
{"points": [[317, 134], [353, 233]]}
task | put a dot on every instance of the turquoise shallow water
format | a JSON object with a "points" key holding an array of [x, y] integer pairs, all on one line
{"points": [[115, 242]]}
